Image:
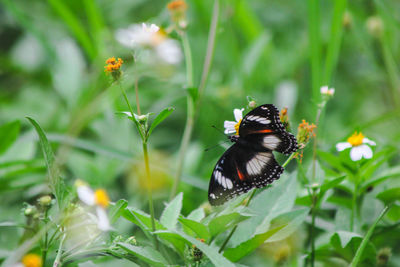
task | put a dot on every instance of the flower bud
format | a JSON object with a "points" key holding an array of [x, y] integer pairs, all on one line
{"points": [[113, 66], [177, 10], [252, 104], [383, 256], [375, 26], [45, 201]]}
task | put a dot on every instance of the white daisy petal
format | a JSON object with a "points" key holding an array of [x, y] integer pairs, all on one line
{"points": [[103, 223], [238, 114], [342, 146], [368, 141], [366, 151], [229, 127], [356, 153], [169, 51], [86, 195]]}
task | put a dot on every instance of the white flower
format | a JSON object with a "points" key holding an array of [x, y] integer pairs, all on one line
{"points": [[359, 145], [233, 126], [99, 199], [144, 36], [326, 91]]}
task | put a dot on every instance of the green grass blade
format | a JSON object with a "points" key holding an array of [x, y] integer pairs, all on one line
{"points": [[335, 40], [55, 182], [365, 240], [75, 26], [315, 46]]}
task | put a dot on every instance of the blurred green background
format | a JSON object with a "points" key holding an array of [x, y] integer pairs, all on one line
{"points": [[52, 57]]}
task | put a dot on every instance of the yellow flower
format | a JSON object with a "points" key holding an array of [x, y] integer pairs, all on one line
{"points": [[32, 260], [177, 10], [177, 5]]}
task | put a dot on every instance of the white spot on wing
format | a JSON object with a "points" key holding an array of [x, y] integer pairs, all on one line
{"points": [[271, 142], [212, 196], [229, 183]]}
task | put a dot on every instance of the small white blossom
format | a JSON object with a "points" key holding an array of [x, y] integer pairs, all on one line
{"points": [[326, 91], [144, 36], [360, 146], [97, 198], [233, 126]]}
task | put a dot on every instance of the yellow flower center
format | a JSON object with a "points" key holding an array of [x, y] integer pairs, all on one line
{"points": [[32, 260], [237, 126], [101, 198], [356, 139]]}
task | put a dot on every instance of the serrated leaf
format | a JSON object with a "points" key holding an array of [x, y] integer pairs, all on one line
{"points": [[8, 134], [160, 117], [146, 254], [245, 248], [55, 181], [117, 210], [170, 214], [200, 230]]}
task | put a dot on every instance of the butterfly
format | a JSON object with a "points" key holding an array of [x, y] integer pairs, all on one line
{"points": [[249, 162]]}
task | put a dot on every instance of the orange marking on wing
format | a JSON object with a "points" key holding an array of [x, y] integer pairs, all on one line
{"points": [[263, 131], [241, 175]]}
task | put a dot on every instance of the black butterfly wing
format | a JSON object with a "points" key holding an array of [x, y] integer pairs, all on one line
{"points": [[239, 170], [263, 126]]}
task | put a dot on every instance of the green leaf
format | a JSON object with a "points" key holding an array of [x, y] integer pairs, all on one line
{"points": [[173, 240], [222, 223], [197, 214], [245, 248], [147, 254], [117, 210], [169, 216], [267, 205], [342, 238], [193, 93], [334, 161], [160, 117], [211, 251], [8, 134], [199, 229], [390, 195], [141, 219], [328, 185], [290, 220], [55, 181]]}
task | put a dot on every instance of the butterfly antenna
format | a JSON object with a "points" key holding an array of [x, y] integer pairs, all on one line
{"points": [[214, 146], [219, 130]]}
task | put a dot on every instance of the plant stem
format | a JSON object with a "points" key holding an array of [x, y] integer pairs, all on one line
{"points": [[46, 235], [190, 114], [314, 195], [354, 206], [57, 261], [248, 203], [150, 196], [188, 58], [193, 105], [210, 48], [364, 242], [312, 230], [137, 96]]}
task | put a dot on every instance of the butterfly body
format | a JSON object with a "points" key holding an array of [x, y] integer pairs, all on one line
{"points": [[249, 162]]}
